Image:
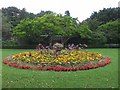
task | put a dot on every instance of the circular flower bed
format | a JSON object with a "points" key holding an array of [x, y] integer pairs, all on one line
{"points": [[65, 61]]}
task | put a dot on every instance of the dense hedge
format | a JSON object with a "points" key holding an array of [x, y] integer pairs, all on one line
{"points": [[89, 46]]}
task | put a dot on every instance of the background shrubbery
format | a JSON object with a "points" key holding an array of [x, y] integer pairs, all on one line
{"points": [[21, 29]]}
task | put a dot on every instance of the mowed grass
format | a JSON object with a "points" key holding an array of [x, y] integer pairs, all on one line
{"points": [[103, 77]]}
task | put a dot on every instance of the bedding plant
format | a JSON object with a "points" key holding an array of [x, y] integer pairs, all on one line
{"points": [[58, 59]]}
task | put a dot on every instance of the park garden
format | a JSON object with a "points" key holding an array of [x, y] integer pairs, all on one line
{"points": [[50, 50]]}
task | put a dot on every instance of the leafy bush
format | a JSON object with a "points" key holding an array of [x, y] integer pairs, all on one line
{"points": [[30, 30], [9, 43], [111, 31], [97, 38]]}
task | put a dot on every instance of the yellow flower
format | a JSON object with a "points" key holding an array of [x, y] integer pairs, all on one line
{"points": [[68, 58], [13, 57], [56, 61], [82, 58], [91, 59], [33, 54]]}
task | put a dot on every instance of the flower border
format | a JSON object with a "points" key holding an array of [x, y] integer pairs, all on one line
{"points": [[57, 68]]}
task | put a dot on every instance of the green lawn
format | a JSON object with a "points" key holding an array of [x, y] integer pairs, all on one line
{"points": [[103, 77]]}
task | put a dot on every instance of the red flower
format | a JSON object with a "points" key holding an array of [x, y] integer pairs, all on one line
{"points": [[11, 64], [5, 61], [24, 67]]}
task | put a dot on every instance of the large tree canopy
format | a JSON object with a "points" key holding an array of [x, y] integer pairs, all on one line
{"points": [[102, 17], [28, 28], [15, 15], [6, 28], [106, 15], [32, 29], [111, 31]]}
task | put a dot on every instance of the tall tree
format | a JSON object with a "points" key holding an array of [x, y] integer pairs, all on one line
{"points": [[92, 24], [106, 15], [43, 13], [67, 13], [15, 15], [55, 24], [6, 28], [111, 31]]}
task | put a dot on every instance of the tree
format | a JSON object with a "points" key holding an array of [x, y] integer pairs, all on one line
{"points": [[15, 15], [92, 24], [106, 15], [97, 39], [43, 13], [84, 31], [104, 25], [6, 28], [30, 30], [67, 13], [12, 14], [111, 31]]}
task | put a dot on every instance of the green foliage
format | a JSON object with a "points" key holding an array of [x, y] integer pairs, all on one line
{"points": [[84, 31], [15, 15], [12, 16], [67, 13], [6, 28], [93, 24], [9, 43], [43, 13], [111, 31], [104, 25], [27, 27], [22, 29], [97, 38], [71, 27], [49, 24], [106, 15]]}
